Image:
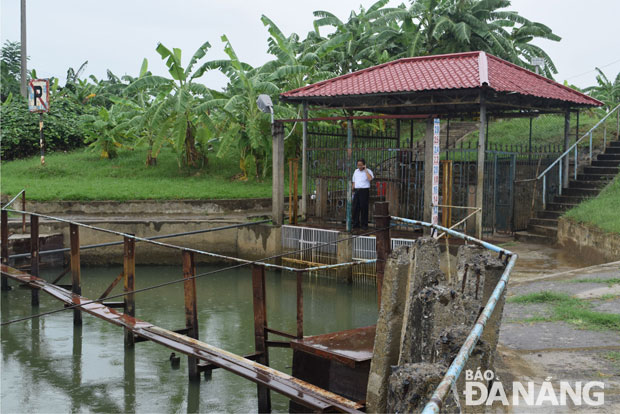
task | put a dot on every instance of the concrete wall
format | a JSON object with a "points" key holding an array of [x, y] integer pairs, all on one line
{"points": [[588, 241], [146, 207], [253, 242]]}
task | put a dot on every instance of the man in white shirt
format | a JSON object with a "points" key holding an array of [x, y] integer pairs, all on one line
{"points": [[361, 192]]}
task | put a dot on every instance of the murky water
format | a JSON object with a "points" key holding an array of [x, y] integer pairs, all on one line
{"points": [[50, 367]]}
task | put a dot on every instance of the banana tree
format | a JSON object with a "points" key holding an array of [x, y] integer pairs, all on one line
{"points": [[241, 126], [188, 126], [108, 131]]}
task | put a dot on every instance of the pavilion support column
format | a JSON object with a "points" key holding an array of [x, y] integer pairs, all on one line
{"points": [[564, 165], [428, 173], [349, 174], [277, 201], [480, 176], [304, 164]]}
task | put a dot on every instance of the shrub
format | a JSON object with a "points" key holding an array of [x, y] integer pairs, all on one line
{"points": [[20, 128]]}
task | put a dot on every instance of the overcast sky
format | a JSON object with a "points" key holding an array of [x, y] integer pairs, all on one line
{"points": [[117, 34]]}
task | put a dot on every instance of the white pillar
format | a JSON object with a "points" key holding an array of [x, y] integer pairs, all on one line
{"points": [[481, 154]]}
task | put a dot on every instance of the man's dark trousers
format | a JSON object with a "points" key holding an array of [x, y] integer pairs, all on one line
{"points": [[360, 207]]}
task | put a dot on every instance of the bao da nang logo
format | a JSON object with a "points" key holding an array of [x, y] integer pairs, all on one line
{"points": [[530, 393]]}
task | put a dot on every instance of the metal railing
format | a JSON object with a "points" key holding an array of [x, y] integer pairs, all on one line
{"points": [[573, 149]]}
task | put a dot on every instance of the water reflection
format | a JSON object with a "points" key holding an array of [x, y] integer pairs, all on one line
{"points": [[49, 366]]}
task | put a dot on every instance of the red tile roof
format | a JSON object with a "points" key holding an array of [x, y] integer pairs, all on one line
{"points": [[439, 72]]}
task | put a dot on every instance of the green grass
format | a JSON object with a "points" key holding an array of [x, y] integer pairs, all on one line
{"points": [[569, 309], [546, 129], [601, 211], [82, 175], [610, 282], [614, 357]]}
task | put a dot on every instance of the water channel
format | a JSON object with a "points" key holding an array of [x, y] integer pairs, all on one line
{"points": [[48, 367]]}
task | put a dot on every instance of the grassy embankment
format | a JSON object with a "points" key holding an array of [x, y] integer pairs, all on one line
{"points": [[82, 175], [569, 309], [546, 129], [602, 211]]}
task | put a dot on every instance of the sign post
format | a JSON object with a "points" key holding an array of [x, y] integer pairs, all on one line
{"points": [[38, 102], [436, 151]]}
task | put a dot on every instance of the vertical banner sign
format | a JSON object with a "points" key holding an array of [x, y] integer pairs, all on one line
{"points": [[38, 102], [435, 210]]}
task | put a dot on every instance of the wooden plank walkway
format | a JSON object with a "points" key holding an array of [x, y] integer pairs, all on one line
{"points": [[297, 390]]}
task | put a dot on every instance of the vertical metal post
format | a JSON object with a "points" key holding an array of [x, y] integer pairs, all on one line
{"points": [[304, 164], [384, 244], [448, 134], [290, 191], [617, 123], [349, 173], [529, 150], [260, 332], [129, 284], [300, 305], [590, 146], [564, 163], [191, 312], [5, 247], [24, 55], [76, 282], [278, 173], [295, 190], [560, 177], [481, 154], [576, 161], [544, 192], [41, 138], [24, 209], [34, 256]]}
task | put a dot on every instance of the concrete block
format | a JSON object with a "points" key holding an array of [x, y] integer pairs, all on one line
{"points": [[411, 386], [387, 339], [433, 309]]}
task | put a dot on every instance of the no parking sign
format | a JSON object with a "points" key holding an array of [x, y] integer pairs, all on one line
{"points": [[39, 95]]}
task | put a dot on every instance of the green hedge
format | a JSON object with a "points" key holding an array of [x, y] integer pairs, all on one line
{"points": [[20, 128]]}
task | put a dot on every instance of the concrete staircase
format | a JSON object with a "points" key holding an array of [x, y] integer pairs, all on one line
{"points": [[543, 228]]}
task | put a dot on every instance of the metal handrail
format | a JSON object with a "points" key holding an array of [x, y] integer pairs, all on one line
{"points": [[589, 133], [566, 153], [13, 200]]}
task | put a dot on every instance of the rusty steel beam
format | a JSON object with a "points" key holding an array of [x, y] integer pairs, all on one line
{"points": [[112, 285], [260, 332], [191, 313], [34, 256], [129, 285], [4, 246], [384, 244], [300, 305], [306, 394], [61, 275], [76, 277]]}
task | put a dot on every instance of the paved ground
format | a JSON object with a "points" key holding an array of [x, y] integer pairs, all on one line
{"points": [[535, 351]]}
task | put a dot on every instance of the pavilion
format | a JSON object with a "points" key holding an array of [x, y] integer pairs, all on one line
{"points": [[470, 84]]}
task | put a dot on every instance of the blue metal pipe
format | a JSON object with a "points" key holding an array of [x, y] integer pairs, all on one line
{"points": [[456, 234]]}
